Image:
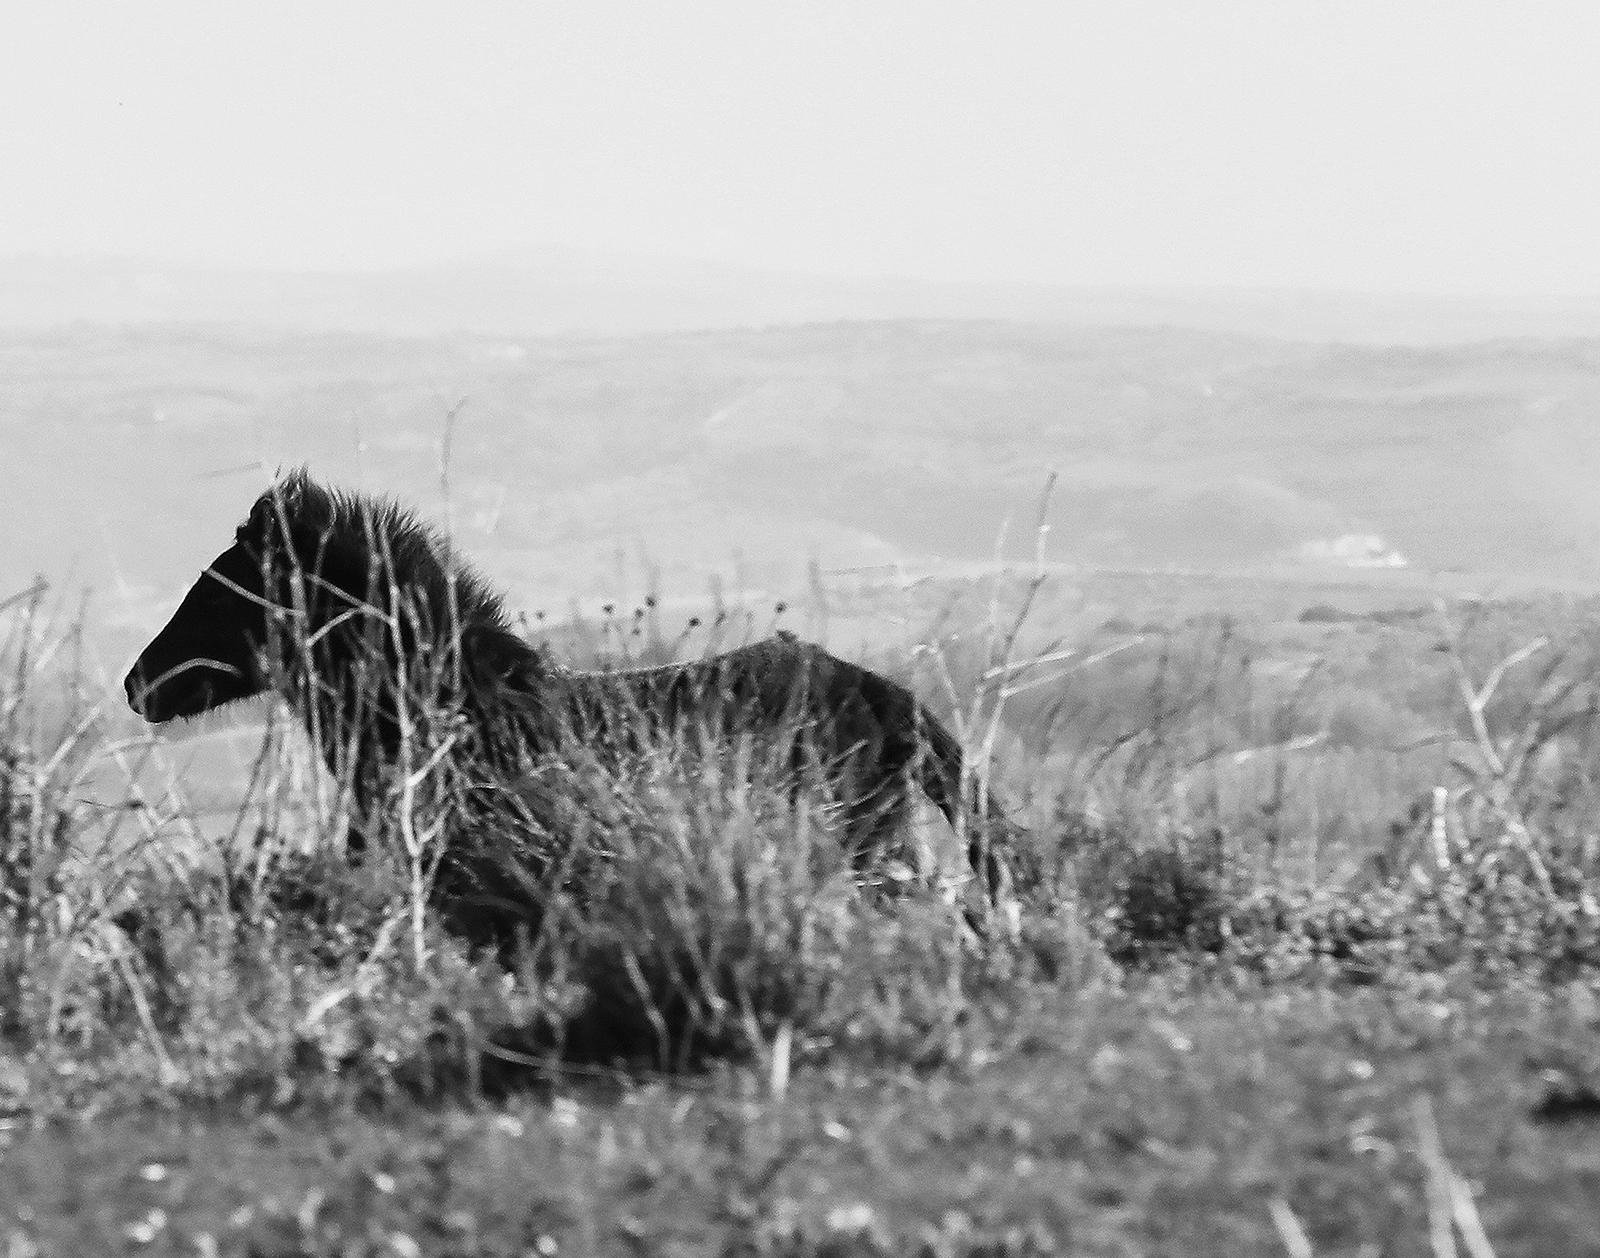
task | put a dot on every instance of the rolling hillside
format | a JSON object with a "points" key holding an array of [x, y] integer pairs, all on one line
{"points": [[582, 465]]}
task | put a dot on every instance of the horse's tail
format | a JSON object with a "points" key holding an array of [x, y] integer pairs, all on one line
{"points": [[984, 821]]}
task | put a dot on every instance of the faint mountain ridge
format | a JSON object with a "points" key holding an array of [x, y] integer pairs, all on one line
{"points": [[555, 290]]}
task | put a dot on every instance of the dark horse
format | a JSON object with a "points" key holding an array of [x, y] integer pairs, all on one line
{"points": [[355, 610]]}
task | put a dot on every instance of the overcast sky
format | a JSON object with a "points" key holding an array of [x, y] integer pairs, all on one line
{"points": [[1449, 147]]}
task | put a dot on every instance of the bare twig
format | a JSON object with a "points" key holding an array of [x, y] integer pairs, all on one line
{"points": [[1295, 1241]]}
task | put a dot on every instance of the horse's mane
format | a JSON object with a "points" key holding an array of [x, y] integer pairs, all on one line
{"points": [[346, 529]]}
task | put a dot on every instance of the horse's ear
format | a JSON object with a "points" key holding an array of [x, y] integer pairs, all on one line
{"points": [[299, 493], [297, 501]]}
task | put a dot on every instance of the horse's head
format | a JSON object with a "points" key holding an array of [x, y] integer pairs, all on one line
{"points": [[214, 649], [334, 591]]}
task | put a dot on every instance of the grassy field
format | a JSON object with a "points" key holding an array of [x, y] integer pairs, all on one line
{"points": [[1301, 960]]}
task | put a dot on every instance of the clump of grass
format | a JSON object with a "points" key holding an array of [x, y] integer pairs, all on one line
{"points": [[46, 733], [1481, 915], [1164, 902], [694, 901]]}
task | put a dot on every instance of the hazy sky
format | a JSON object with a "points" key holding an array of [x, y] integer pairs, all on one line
{"points": [[1447, 147]]}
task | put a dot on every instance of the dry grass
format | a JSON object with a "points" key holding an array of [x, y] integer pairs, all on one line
{"points": [[1198, 850]]}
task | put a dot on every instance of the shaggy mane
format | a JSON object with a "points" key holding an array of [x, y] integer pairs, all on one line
{"points": [[346, 528]]}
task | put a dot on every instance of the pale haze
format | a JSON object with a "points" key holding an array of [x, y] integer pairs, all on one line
{"points": [[1369, 147]]}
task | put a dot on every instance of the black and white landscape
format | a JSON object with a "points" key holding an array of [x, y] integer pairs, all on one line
{"points": [[1177, 427]]}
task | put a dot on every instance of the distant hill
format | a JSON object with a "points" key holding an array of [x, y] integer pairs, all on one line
{"points": [[588, 465], [557, 291]]}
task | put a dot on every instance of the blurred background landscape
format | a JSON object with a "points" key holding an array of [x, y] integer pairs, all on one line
{"points": [[618, 428]]}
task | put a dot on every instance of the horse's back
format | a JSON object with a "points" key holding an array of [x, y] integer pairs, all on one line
{"points": [[787, 673], [782, 686]]}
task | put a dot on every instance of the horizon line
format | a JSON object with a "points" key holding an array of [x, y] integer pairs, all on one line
{"points": [[624, 258]]}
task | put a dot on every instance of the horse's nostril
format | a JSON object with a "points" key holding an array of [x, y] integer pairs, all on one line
{"points": [[135, 686]]}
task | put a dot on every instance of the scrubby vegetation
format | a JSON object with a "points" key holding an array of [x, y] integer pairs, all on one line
{"points": [[1302, 957]]}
